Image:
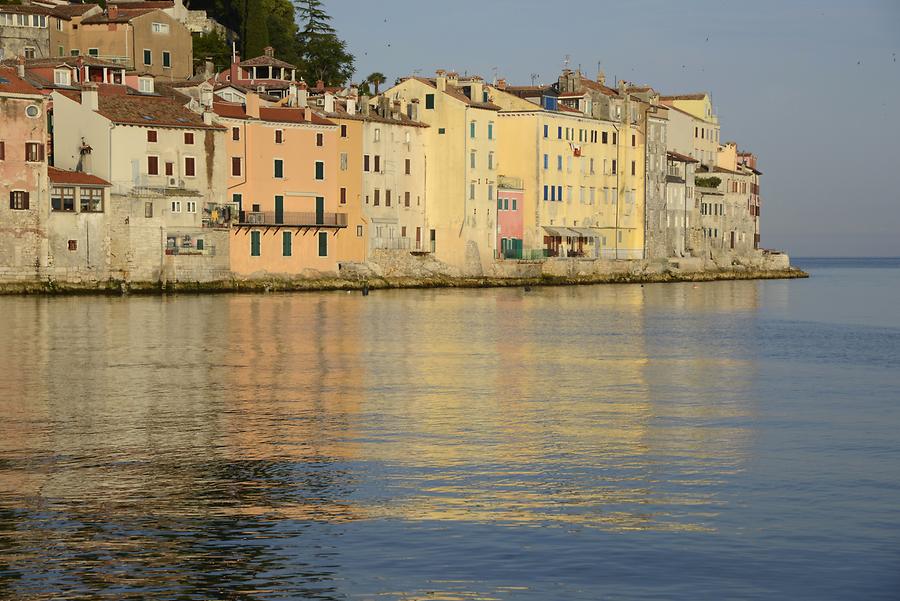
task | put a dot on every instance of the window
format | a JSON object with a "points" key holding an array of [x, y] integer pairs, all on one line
{"points": [[320, 170], [236, 166], [559, 193], [359, 231], [320, 139], [152, 165], [552, 193], [170, 168], [34, 152], [62, 199], [406, 199], [62, 77], [160, 28], [175, 206], [323, 244], [490, 130], [513, 204], [387, 198], [2, 151], [148, 209], [287, 241], [377, 202], [472, 128], [166, 59], [152, 135], [615, 138], [344, 161], [190, 167], [18, 200], [343, 196], [472, 191], [366, 163], [408, 166], [279, 169], [75, 52], [490, 191], [145, 85], [343, 131], [614, 166], [633, 167], [605, 137], [441, 131], [279, 136], [377, 164], [490, 160], [546, 131], [633, 140], [559, 133], [546, 161], [91, 200], [377, 134], [188, 137], [254, 244], [546, 192], [148, 57], [559, 162], [30, 52], [592, 167], [236, 133], [568, 194], [93, 52], [429, 101], [472, 159]]}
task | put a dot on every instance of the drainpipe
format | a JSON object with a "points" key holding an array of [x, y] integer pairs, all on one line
{"points": [[618, 142]]}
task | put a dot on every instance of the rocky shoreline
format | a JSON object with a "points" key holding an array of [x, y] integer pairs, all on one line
{"points": [[382, 282]]}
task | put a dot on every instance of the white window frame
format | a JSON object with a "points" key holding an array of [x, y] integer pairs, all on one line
{"points": [[184, 165], [175, 206], [191, 206], [160, 28], [62, 77], [145, 85], [144, 57]]}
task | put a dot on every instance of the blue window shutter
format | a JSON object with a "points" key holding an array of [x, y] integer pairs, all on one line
{"points": [[559, 133], [546, 193], [559, 193], [552, 193]]}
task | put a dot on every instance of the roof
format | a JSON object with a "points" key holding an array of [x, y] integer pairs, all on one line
{"points": [[264, 61], [232, 110], [11, 83], [456, 93], [61, 176], [519, 90], [683, 158], [71, 61], [67, 11], [144, 3], [123, 16], [29, 9], [149, 111], [696, 96], [599, 87], [340, 112]]}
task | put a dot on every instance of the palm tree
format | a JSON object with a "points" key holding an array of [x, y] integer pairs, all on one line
{"points": [[376, 79]]}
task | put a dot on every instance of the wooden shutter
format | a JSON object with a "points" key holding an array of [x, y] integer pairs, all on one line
{"points": [[189, 169], [323, 244], [286, 241], [254, 244], [320, 169], [153, 165], [236, 166], [2, 151]]}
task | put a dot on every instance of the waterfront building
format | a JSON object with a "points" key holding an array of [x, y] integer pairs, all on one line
{"points": [[283, 165], [680, 210], [32, 31], [166, 169], [693, 127], [461, 166], [23, 178], [271, 78], [510, 218], [567, 163]]}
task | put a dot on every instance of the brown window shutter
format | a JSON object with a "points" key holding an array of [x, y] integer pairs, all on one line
{"points": [[27, 197], [189, 166], [2, 151], [41, 151]]}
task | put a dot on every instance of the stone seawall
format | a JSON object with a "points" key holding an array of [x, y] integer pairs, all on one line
{"points": [[398, 269]]}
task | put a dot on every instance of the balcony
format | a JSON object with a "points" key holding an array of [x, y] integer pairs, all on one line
{"points": [[304, 220], [507, 182]]}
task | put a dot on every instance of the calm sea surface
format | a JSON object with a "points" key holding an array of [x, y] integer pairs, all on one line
{"points": [[732, 440]]}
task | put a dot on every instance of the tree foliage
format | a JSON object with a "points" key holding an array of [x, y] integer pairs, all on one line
{"points": [[376, 79], [707, 182], [323, 55], [256, 28], [213, 46]]}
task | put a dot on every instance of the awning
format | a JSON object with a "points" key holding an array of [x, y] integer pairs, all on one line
{"points": [[568, 232], [586, 232], [555, 231]]}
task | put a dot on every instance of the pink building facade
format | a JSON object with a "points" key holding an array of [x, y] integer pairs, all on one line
{"points": [[510, 222]]}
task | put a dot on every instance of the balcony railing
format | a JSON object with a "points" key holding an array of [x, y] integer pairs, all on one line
{"points": [[393, 244], [509, 182], [313, 219]]}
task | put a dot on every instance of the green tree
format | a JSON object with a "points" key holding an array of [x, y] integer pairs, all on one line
{"points": [[376, 79], [323, 55], [255, 35], [282, 29], [211, 45]]}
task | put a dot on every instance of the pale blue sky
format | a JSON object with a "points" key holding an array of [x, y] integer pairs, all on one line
{"points": [[811, 86]]}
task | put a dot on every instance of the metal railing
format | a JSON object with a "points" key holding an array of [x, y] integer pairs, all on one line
{"points": [[392, 243], [312, 219]]}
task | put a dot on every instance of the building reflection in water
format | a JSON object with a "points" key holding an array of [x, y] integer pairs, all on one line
{"points": [[191, 441]]}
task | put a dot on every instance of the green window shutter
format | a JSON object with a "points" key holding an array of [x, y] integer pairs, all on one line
{"points": [[323, 244], [279, 168], [320, 170], [429, 101], [279, 209], [287, 240], [254, 244], [320, 210], [200, 244]]}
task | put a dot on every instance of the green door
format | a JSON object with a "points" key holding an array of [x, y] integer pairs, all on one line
{"points": [[320, 210], [279, 209]]}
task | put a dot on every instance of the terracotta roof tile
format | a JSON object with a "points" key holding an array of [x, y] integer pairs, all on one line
{"points": [[123, 16], [61, 176], [276, 114], [683, 158], [264, 61], [149, 111], [11, 83], [67, 11], [697, 96]]}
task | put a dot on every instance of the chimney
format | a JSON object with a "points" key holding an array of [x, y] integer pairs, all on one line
{"points": [[252, 105], [235, 68], [477, 89], [90, 96], [302, 94], [20, 66], [501, 84], [292, 94], [364, 105], [206, 97], [209, 68], [351, 105], [329, 102], [601, 77], [396, 109], [441, 80], [208, 117], [269, 51], [112, 10], [307, 114], [354, 92], [453, 78]]}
